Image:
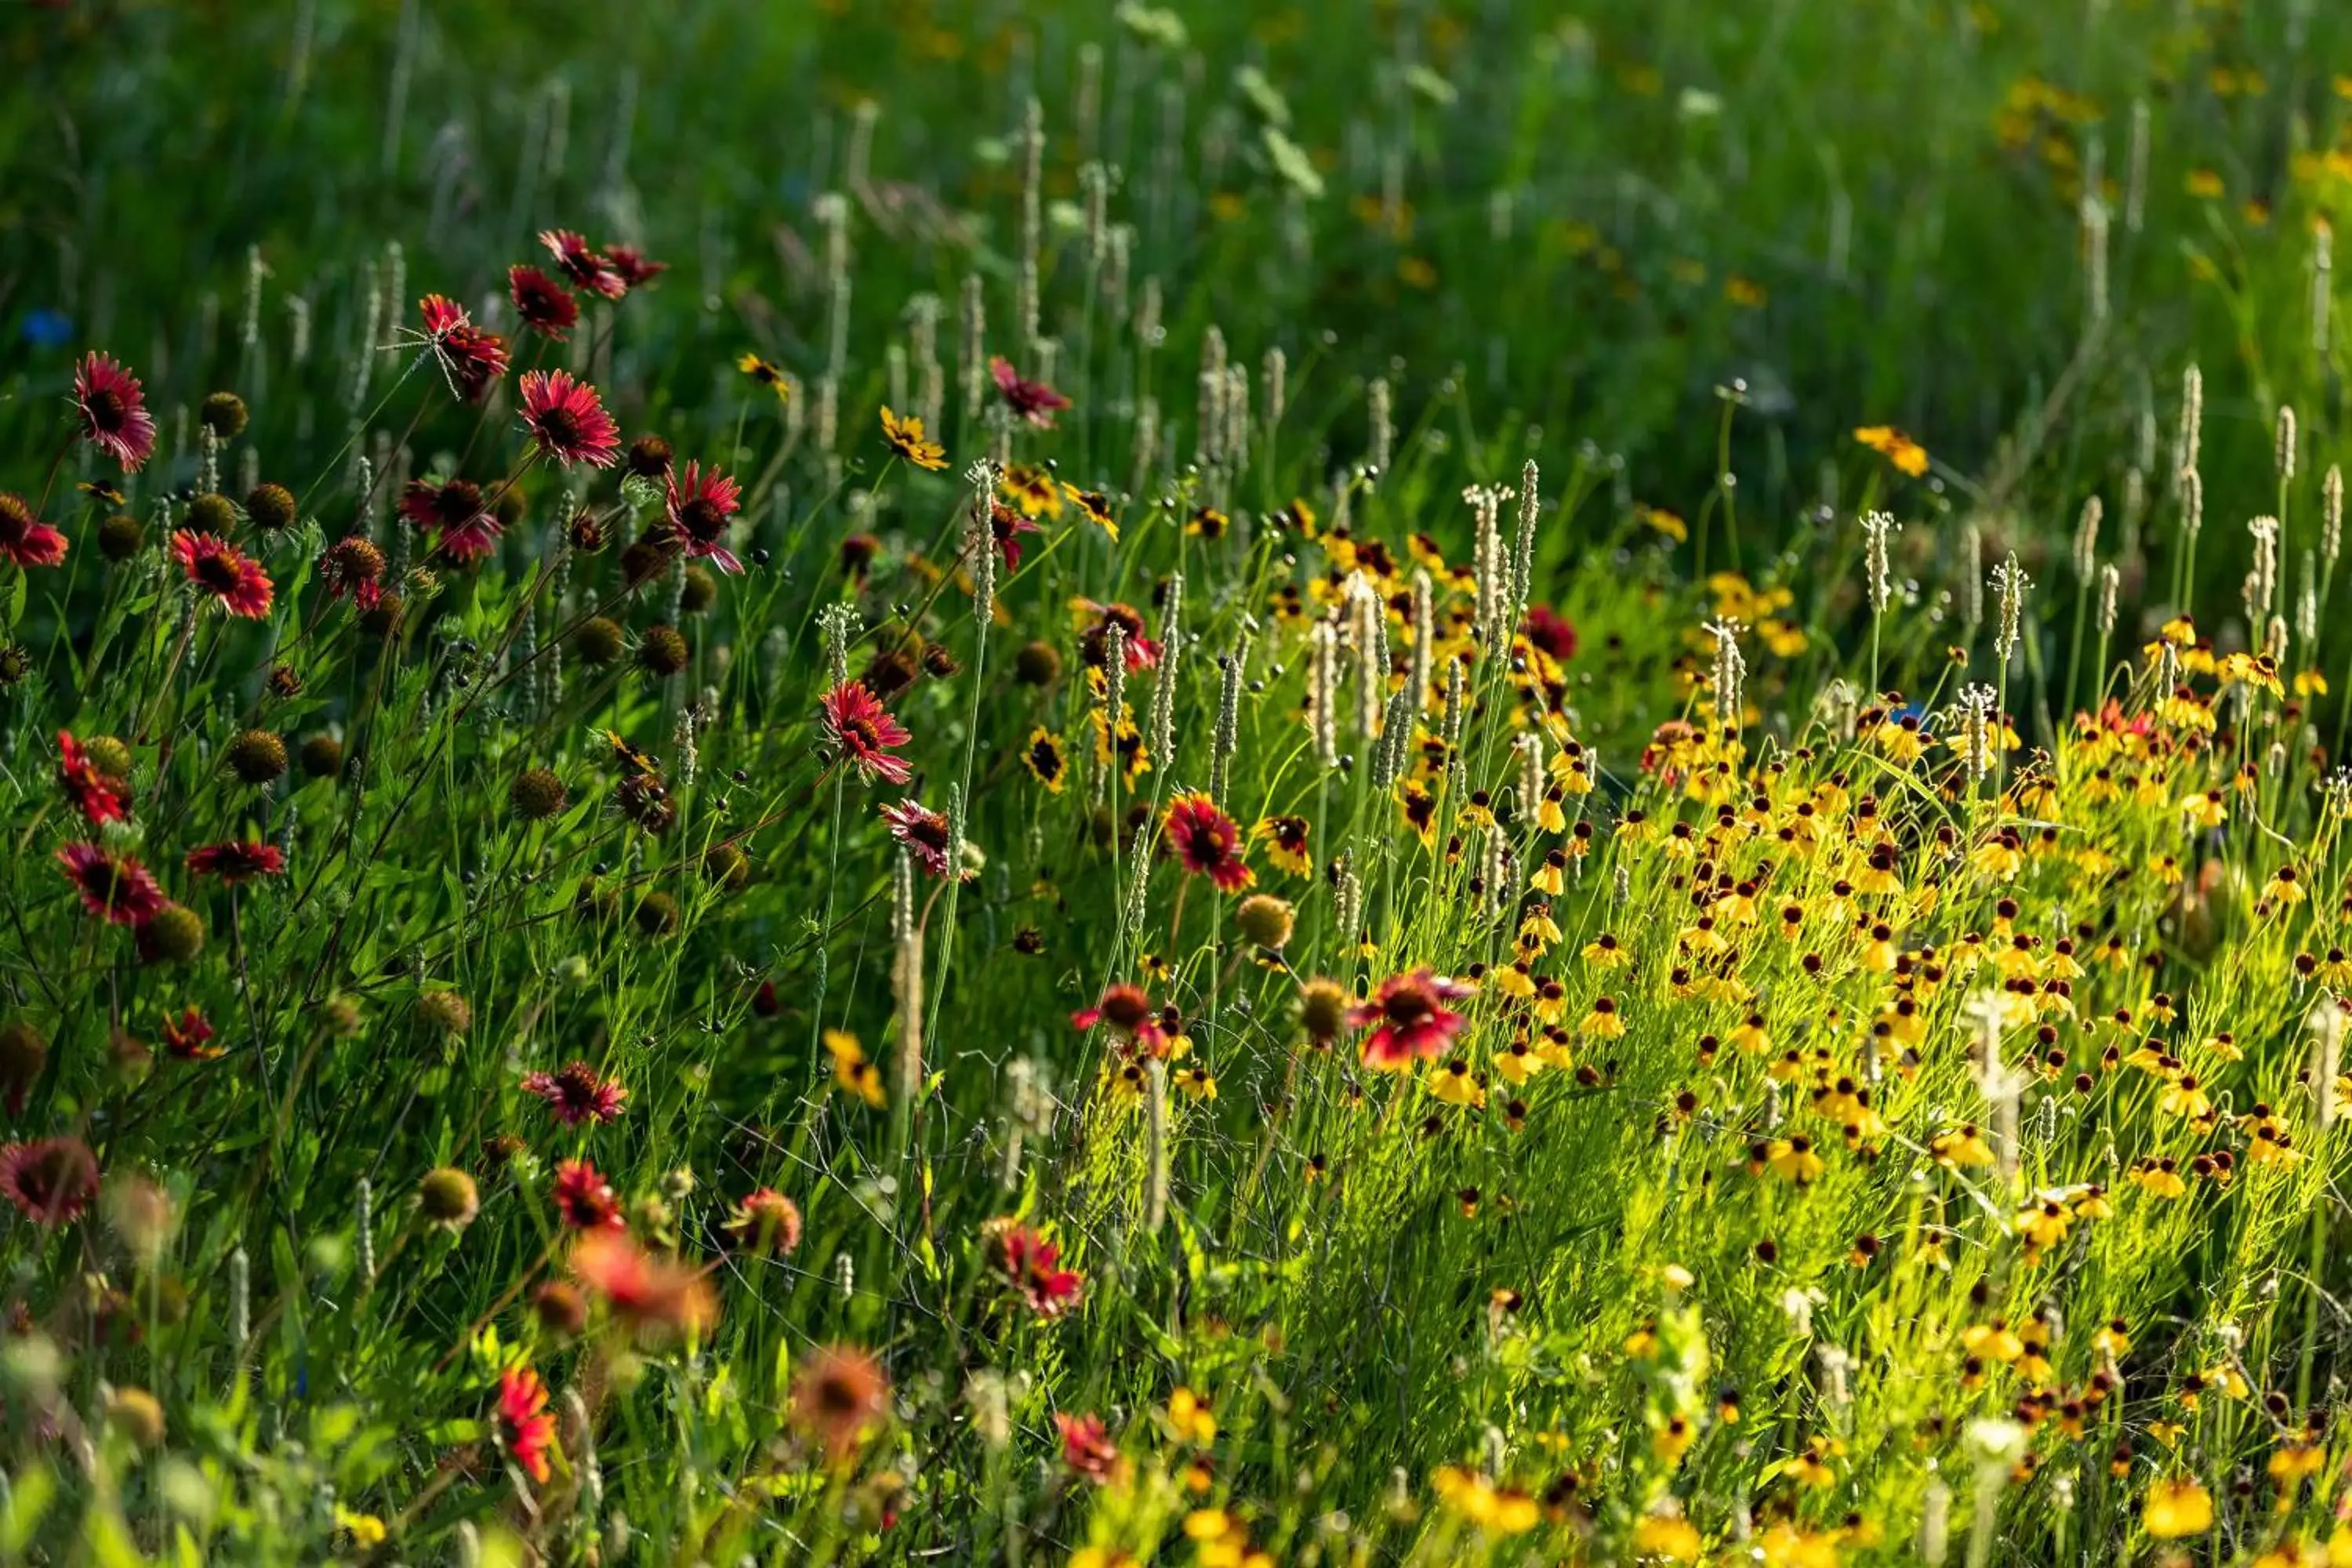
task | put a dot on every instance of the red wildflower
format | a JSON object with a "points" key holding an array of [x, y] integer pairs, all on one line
{"points": [[470, 357], [97, 797], [113, 887], [1008, 525], [454, 507], [1547, 630], [838, 1392], [114, 416], [922, 830], [1094, 643], [228, 573], [699, 505], [524, 1420], [24, 538], [1032, 400], [545, 306], [577, 1095], [1125, 1009], [858, 723], [566, 419], [1411, 1018], [50, 1180], [188, 1036], [1208, 842], [583, 267], [646, 1292], [237, 860], [584, 1198], [633, 266], [765, 1221], [1032, 1266], [1086, 1447]]}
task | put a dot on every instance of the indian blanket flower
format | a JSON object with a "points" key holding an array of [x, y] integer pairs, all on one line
{"points": [[1032, 400], [922, 831], [467, 528], [545, 306], [650, 1294], [838, 1394], [50, 1180], [586, 268], [526, 1426], [115, 887], [700, 503], [1094, 643], [470, 357], [1208, 842], [1550, 632], [765, 1221], [1408, 1018], [114, 416], [24, 539], [1087, 1448], [584, 1198], [634, 265], [578, 1094], [237, 860], [225, 572], [1006, 526], [862, 729], [189, 1037], [1032, 1266], [96, 797], [567, 420]]}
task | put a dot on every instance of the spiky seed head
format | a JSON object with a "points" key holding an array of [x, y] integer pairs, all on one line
{"points": [[537, 793], [271, 507], [598, 640], [1266, 920], [256, 756], [447, 1197], [224, 414], [120, 537], [322, 757], [662, 651], [210, 513], [443, 1013], [175, 935]]}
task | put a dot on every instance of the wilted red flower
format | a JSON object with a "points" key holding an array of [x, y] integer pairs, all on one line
{"points": [[97, 797], [584, 1198], [922, 830], [1547, 630], [225, 572], [470, 357], [189, 1037], [24, 538], [1411, 1018], [525, 1423], [1032, 1266], [577, 1094], [633, 266], [648, 1293], [858, 723], [1006, 526], [114, 416], [1032, 400], [586, 268], [699, 505], [838, 1392], [1094, 643], [545, 306], [567, 420], [50, 1180], [765, 1221], [113, 887], [454, 507], [1208, 842], [237, 860], [1086, 1447]]}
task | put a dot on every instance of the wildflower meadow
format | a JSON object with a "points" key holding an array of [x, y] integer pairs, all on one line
{"points": [[1411, 783]]}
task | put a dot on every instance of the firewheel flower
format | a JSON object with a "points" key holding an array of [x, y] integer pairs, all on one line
{"points": [[700, 503], [50, 1180], [922, 831], [525, 1424], [1006, 526], [1031, 1265], [583, 267], [567, 420], [1408, 1018], [633, 266], [577, 1094], [765, 1221], [114, 416], [1208, 842], [115, 887], [839, 1394], [545, 306], [95, 796], [189, 1037], [862, 729], [24, 539], [237, 860], [584, 1198], [225, 572], [470, 357], [652, 1295], [1032, 400], [454, 507]]}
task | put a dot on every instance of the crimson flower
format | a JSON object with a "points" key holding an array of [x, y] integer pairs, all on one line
{"points": [[545, 305], [1032, 1266], [699, 505], [1086, 1447], [50, 1180], [838, 1392], [1094, 643], [646, 1292], [237, 860], [1549, 631], [1125, 1009], [1007, 525], [470, 357], [922, 830], [634, 265], [1032, 400], [1208, 842], [114, 416], [454, 507], [765, 1221], [115, 887], [24, 538], [576, 1094], [225, 572], [567, 420], [587, 269], [584, 1198], [525, 1423], [864, 731], [1410, 1018], [188, 1036], [98, 798]]}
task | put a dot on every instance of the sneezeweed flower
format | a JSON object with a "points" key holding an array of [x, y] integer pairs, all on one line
{"points": [[1895, 447], [652, 1295], [51, 1181], [543, 304], [24, 539], [1031, 1265], [525, 1424], [922, 830], [578, 1094], [700, 503], [765, 1221], [586, 268], [839, 1395], [98, 796], [585, 1199], [115, 887], [237, 860], [864, 733], [568, 421], [1408, 1018], [906, 437], [1095, 507], [113, 410], [218, 567], [1208, 843], [1031, 400]]}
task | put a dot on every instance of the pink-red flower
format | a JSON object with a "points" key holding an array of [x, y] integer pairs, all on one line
{"points": [[838, 1394], [525, 1424], [114, 416], [1032, 1266], [765, 1221], [582, 266], [115, 887], [189, 1037], [24, 539], [578, 1094], [545, 306], [470, 357], [50, 1180], [1409, 1017], [862, 729], [634, 265], [468, 528], [567, 420], [96, 797], [1006, 526], [236, 860], [1550, 632], [584, 1198], [700, 503], [1208, 842], [1032, 400], [650, 1294], [922, 831], [1094, 643], [1087, 1448], [1126, 1011], [225, 572]]}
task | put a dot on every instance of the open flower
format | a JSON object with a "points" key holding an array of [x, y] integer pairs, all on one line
{"points": [[237, 860], [96, 797], [1087, 1448], [633, 265], [50, 1180], [189, 1037], [839, 1394], [700, 503], [225, 572], [1032, 400], [567, 420], [584, 1198], [1031, 1265], [652, 1295], [24, 539], [1208, 842], [525, 1424], [906, 437], [1006, 526], [115, 887], [114, 416], [586, 268], [469, 358], [545, 306], [454, 507], [922, 830], [865, 733], [1408, 1018], [578, 1094], [765, 1221]]}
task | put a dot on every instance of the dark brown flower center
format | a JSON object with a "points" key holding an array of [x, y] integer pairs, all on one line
{"points": [[218, 573], [558, 426], [702, 519], [106, 408], [459, 501], [1407, 1005]]}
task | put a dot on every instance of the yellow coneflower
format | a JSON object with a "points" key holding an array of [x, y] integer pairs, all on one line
{"points": [[1794, 1161], [766, 373], [851, 1070], [1548, 877], [1456, 1085], [906, 437], [1096, 507], [1031, 491], [1044, 760], [2176, 1508]]}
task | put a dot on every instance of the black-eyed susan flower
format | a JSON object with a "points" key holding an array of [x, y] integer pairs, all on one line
{"points": [[905, 436]]}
